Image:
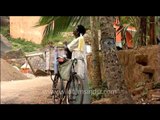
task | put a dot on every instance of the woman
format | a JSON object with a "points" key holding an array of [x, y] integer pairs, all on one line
{"points": [[78, 49]]}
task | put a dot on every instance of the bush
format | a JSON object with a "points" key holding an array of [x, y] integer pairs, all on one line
{"points": [[4, 31], [26, 46], [56, 39]]}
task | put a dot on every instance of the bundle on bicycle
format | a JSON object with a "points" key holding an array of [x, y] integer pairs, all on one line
{"points": [[72, 91]]}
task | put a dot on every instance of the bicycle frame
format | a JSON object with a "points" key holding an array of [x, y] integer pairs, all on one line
{"points": [[62, 87]]}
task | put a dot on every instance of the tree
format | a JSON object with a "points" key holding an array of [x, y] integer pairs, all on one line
{"points": [[114, 74], [157, 20], [146, 29], [96, 78], [4, 20], [143, 30], [152, 30]]}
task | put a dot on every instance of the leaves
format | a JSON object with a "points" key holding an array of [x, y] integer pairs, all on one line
{"points": [[57, 24]]}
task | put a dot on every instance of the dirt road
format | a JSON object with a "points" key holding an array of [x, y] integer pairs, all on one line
{"points": [[31, 91]]}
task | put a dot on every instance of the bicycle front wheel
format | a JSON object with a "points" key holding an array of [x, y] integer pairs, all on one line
{"points": [[74, 90], [56, 95]]}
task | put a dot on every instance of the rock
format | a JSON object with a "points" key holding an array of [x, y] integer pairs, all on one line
{"points": [[137, 97], [5, 45], [103, 101], [147, 69], [156, 102], [141, 59], [40, 73], [156, 91], [154, 94], [149, 86], [137, 90], [16, 62], [14, 54]]}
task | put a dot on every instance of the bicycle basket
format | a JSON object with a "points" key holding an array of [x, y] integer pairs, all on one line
{"points": [[64, 69]]}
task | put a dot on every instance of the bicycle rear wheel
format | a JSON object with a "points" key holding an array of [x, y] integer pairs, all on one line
{"points": [[74, 90]]}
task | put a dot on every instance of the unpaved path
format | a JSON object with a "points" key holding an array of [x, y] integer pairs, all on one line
{"points": [[30, 91]]}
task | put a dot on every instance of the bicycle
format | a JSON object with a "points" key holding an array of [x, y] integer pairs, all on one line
{"points": [[72, 92]]}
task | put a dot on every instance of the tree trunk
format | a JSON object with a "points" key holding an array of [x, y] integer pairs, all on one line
{"points": [[96, 78], [4, 20], [152, 30], [113, 69], [143, 25]]}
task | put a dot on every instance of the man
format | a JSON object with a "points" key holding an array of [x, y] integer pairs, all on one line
{"points": [[67, 52], [78, 49]]}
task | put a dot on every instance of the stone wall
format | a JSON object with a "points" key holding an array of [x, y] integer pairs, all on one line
{"points": [[141, 66]]}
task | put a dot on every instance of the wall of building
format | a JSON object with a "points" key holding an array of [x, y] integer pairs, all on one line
{"points": [[23, 27]]}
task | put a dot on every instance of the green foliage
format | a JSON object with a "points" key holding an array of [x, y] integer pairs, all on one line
{"points": [[156, 85], [26, 46], [135, 22], [98, 93], [57, 39], [54, 25], [145, 93], [139, 84], [157, 19], [132, 20], [4, 30]]}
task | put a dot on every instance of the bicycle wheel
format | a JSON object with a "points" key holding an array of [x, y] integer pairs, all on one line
{"points": [[56, 88], [52, 75], [74, 90]]}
